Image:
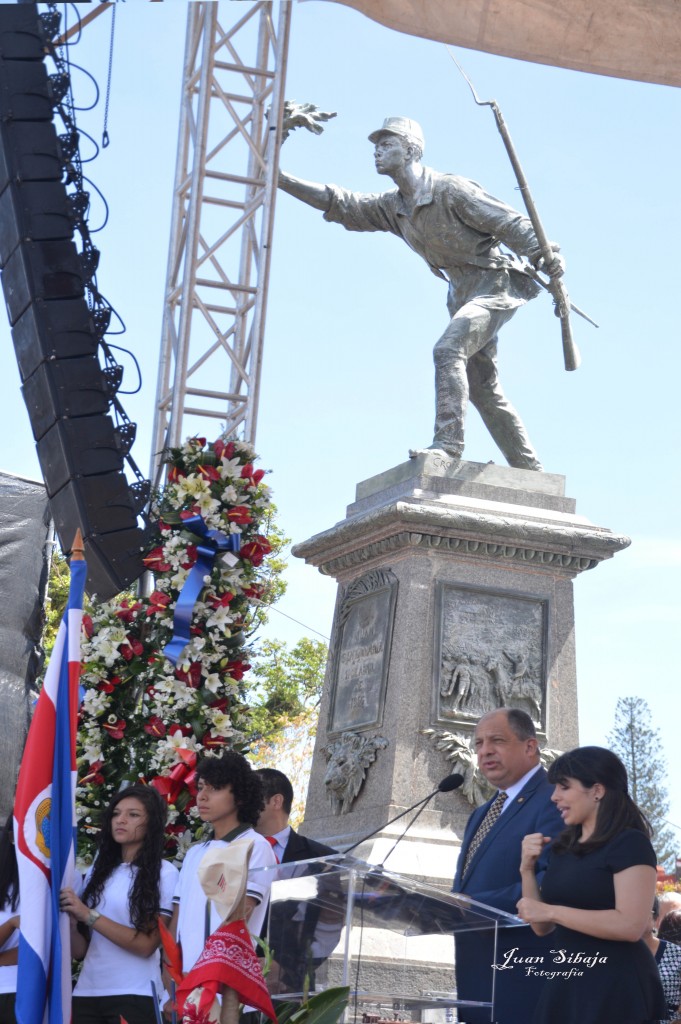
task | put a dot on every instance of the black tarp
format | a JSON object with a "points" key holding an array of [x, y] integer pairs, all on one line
{"points": [[24, 560]]}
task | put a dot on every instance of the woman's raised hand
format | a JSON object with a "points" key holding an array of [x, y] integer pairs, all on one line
{"points": [[531, 850]]}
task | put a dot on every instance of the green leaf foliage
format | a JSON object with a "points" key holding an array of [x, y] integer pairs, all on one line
{"points": [[322, 1008], [285, 684]]}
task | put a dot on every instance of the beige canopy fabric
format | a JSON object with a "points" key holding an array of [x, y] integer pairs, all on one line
{"points": [[638, 39]]}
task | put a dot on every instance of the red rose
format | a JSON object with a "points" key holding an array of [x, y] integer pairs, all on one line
{"points": [[88, 627]]}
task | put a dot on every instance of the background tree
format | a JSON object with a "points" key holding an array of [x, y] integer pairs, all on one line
{"points": [[283, 697], [284, 685], [56, 599], [639, 746]]}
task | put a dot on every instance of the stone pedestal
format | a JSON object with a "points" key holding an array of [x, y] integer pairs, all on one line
{"points": [[454, 598]]}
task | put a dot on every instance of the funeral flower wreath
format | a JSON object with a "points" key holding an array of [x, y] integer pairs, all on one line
{"points": [[143, 717]]}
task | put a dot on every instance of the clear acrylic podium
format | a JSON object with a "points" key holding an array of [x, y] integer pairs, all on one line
{"points": [[339, 921]]}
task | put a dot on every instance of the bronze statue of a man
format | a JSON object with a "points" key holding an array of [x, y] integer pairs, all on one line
{"points": [[457, 228]]}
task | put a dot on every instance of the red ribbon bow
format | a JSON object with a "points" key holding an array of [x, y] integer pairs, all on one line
{"points": [[183, 774]]}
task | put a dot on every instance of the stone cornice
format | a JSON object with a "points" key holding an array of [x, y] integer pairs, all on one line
{"points": [[555, 542]]}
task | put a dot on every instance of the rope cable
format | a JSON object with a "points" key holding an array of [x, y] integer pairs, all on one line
{"points": [[105, 132]]}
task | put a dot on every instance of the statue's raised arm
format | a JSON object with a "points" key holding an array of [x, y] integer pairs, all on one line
{"points": [[309, 116]]}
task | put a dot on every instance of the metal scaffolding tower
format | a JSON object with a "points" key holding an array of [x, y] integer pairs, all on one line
{"points": [[223, 210]]}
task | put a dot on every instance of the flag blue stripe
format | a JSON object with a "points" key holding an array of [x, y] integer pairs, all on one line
{"points": [[30, 1007], [77, 584], [61, 832]]}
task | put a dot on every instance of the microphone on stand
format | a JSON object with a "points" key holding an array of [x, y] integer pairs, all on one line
{"points": [[447, 784], [452, 781]]}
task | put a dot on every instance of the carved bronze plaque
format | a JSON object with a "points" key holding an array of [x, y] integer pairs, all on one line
{"points": [[490, 652], [361, 652]]}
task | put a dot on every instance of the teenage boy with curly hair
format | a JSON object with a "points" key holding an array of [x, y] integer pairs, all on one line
{"points": [[230, 799]]}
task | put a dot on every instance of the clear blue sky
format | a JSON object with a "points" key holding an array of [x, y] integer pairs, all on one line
{"points": [[347, 382]]}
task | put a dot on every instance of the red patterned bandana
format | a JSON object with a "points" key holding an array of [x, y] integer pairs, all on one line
{"points": [[228, 958]]}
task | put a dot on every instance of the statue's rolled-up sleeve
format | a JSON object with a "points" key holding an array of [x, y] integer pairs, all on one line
{"points": [[359, 211]]}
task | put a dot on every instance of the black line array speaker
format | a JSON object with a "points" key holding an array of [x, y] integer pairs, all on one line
{"points": [[67, 394]]}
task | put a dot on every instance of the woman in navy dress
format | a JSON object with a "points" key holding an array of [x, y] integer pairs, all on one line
{"points": [[595, 898]]}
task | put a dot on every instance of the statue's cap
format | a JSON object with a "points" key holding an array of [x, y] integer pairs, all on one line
{"points": [[402, 126]]}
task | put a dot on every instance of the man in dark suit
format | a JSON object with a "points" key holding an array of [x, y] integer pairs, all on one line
{"points": [[488, 869], [298, 934], [288, 845]]}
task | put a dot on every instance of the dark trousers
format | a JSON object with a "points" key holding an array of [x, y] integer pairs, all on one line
{"points": [[517, 991], [7, 1000], [110, 1009]]}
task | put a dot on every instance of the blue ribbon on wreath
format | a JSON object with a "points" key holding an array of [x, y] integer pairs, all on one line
{"points": [[212, 544]]}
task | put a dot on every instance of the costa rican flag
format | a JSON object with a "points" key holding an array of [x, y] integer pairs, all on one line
{"points": [[44, 826]]}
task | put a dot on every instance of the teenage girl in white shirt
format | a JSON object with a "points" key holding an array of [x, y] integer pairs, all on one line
{"points": [[125, 890]]}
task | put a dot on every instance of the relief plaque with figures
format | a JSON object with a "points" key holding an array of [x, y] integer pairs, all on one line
{"points": [[361, 652], [490, 652]]}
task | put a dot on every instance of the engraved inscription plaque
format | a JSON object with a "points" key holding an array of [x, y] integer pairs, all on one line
{"points": [[490, 652], [361, 652]]}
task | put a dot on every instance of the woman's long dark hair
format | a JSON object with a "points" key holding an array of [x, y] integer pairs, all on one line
{"points": [[143, 896], [9, 871], [616, 810]]}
